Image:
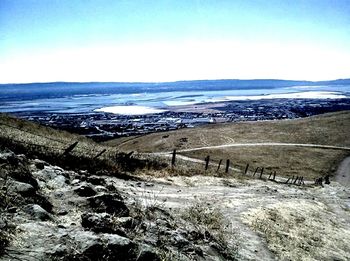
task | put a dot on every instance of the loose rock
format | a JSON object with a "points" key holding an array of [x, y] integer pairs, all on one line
{"points": [[110, 203], [85, 190], [24, 189], [36, 212], [147, 253]]}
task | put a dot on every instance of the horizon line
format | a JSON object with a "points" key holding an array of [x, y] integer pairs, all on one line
{"points": [[176, 81]]}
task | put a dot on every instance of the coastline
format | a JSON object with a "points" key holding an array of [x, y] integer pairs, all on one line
{"points": [[210, 105]]}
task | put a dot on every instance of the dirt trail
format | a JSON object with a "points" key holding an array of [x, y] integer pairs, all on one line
{"points": [[236, 197], [343, 173], [193, 160], [319, 146]]}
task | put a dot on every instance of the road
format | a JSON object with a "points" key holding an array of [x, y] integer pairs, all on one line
{"points": [[307, 145], [343, 173]]}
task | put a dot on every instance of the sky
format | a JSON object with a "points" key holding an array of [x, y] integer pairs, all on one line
{"points": [[133, 41]]}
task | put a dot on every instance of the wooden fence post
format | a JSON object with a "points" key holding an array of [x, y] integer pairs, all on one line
{"points": [[148, 162], [173, 158], [227, 165], [326, 180], [302, 181], [261, 173], [70, 148], [99, 154], [296, 179], [274, 175], [256, 170], [219, 165], [207, 158], [288, 180], [246, 169]]}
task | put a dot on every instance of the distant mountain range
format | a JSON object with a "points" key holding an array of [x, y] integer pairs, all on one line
{"points": [[197, 84], [60, 89]]}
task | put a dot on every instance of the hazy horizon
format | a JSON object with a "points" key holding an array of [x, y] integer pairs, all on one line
{"points": [[159, 82], [166, 41]]}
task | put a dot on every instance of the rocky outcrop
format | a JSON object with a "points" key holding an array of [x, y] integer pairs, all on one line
{"points": [[67, 215], [49, 195]]}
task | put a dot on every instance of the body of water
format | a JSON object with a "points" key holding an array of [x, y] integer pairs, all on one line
{"points": [[155, 101]]}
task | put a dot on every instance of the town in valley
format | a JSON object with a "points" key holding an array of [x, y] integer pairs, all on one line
{"points": [[103, 126]]}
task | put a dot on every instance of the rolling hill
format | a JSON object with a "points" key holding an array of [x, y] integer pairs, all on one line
{"points": [[275, 155]]}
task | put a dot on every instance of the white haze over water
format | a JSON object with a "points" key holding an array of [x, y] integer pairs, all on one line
{"points": [[130, 110], [139, 103], [297, 95], [142, 110]]}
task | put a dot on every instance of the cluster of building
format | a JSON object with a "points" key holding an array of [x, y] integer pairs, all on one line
{"points": [[103, 126]]}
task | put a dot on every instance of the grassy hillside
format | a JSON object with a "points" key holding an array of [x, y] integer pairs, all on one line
{"points": [[49, 144], [328, 129]]}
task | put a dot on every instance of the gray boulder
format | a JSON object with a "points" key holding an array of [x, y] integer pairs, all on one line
{"points": [[126, 222], [119, 248], [36, 212], [86, 245], [85, 190], [147, 253], [58, 182], [24, 189], [110, 203], [101, 223], [39, 164], [48, 173]]}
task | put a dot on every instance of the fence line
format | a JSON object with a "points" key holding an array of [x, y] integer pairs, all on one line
{"points": [[272, 176]]}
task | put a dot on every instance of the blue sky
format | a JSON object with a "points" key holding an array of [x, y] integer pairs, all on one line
{"points": [[85, 40]]}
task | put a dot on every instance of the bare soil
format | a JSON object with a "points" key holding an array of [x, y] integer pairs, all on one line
{"points": [[271, 221], [343, 172]]}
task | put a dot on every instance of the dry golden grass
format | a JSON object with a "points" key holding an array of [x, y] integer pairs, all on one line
{"points": [[301, 230], [326, 129], [286, 161], [51, 140], [27, 137], [50, 144]]}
